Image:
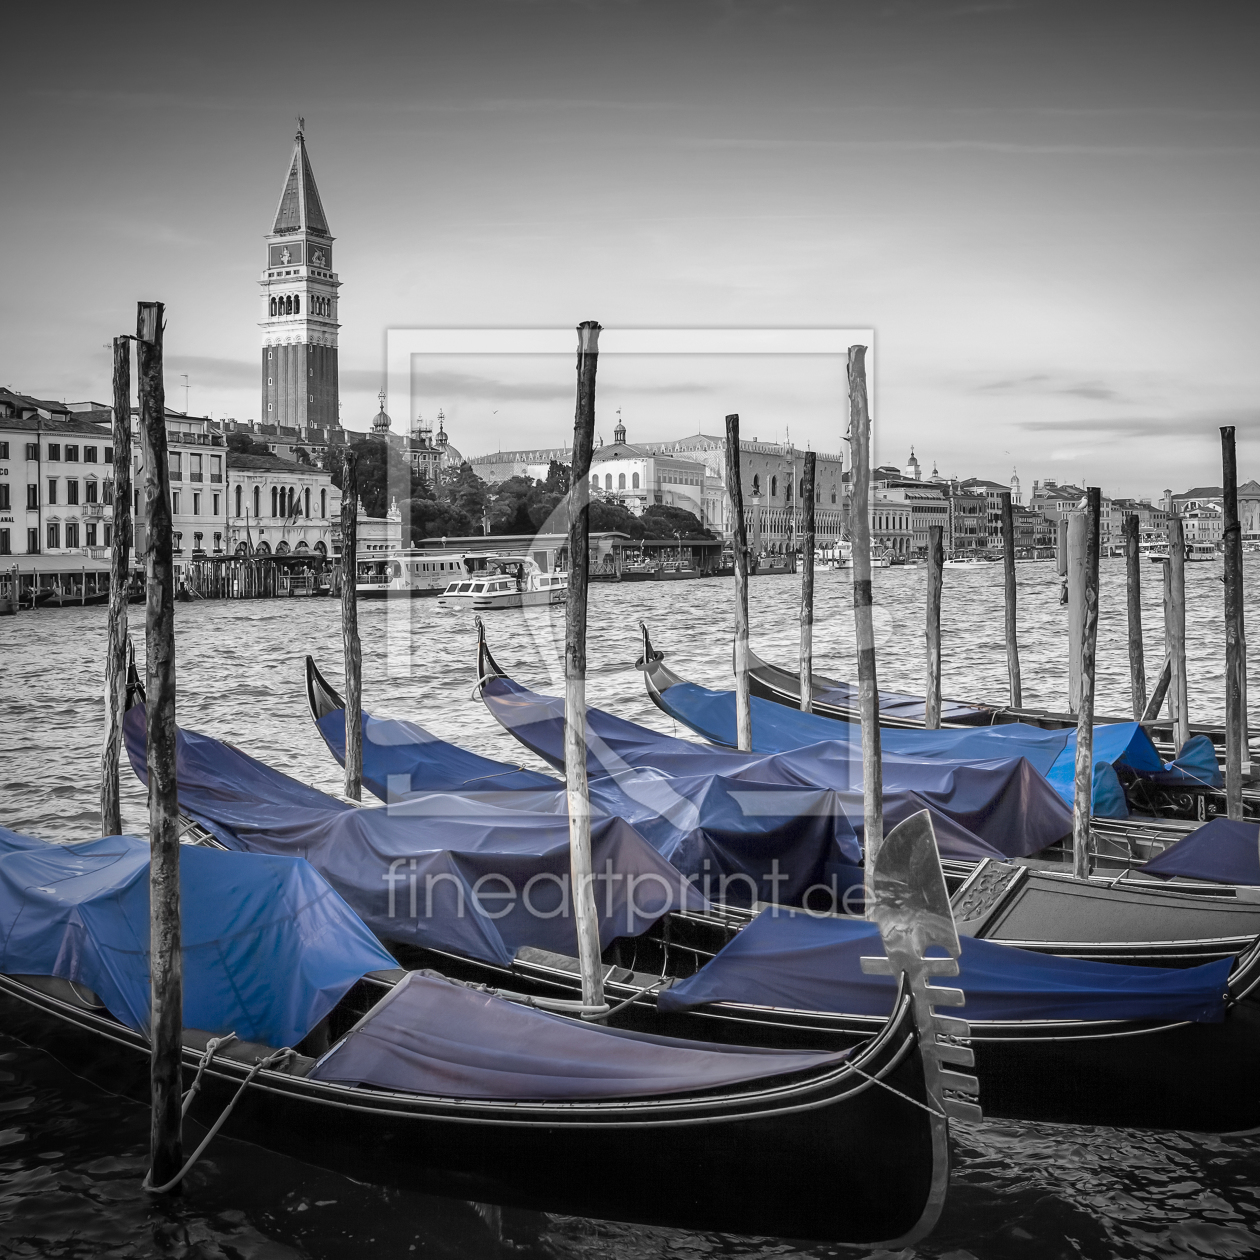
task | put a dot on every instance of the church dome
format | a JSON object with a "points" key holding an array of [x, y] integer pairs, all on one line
{"points": [[380, 421]]}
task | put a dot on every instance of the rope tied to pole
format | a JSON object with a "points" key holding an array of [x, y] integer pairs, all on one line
{"points": [[271, 1060]]}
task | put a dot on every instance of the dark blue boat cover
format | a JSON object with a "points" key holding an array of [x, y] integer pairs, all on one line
{"points": [[981, 809], [480, 884], [1226, 851], [1117, 745], [743, 844], [432, 1036], [801, 962], [268, 947]]}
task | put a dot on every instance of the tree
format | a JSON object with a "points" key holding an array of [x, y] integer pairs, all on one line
{"points": [[242, 442], [431, 519], [384, 474], [663, 521], [558, 478]]}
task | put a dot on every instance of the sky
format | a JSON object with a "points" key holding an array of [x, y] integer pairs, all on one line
{"points": [[1046, 211]]}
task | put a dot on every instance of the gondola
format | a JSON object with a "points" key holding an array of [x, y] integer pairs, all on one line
{"points": [[1118, 918], [835, 699], [1056, 1063], [413, 1079], [1130, 773]]}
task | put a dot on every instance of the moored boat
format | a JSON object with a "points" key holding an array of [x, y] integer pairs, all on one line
{"points": [[504, 582]]}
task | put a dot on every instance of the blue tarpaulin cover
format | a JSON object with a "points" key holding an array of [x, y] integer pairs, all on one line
{"points": [[769, 843], [979, 809], [268, 947], [799, 962], [430, 1036], [1123, 745], [1226, 851], [481, 883]]}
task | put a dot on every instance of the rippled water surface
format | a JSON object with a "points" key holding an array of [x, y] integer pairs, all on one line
{"points": [[72, 1156]]}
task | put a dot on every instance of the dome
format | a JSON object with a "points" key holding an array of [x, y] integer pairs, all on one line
{"points": [[380, 421]]}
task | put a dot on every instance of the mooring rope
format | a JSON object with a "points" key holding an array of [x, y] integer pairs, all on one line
{"points": [[271, 1060], [875, 1080]]}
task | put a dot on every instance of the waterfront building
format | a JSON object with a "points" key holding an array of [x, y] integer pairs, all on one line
{"points": [[56, 490], [1204, 524], [1249, 510], [501, 466], [1197, 497], [279, 507], [771, 475], [924, 505], [890, 523], [299, 321], [637, 478], [968, 520]]}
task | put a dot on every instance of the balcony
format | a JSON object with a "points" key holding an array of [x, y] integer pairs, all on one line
{"points": [[95, 511], [216, 479], [192, 476]]}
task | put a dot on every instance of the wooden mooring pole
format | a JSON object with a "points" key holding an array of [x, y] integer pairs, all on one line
{"points": [[1177, 630], [1084, 798], [935, 587], [1235, 641], [575, 750], [1133, 590], [1077, 546], [807, 586], [1012, 642], [165, 961], [864, 625], [119, 575], [739, 539], [350, 625]]}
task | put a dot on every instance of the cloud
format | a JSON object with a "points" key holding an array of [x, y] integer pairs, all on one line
{"points": [[1044, 384], [1246, 421], [466, 385]]}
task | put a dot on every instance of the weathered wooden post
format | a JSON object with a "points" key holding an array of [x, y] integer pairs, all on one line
{"points": [[119, 582], [165, 961], [1133, 585], [1012, 643], [807, 586], [1177, 629], [1235, 642], [1084, 800], [575, 774], [350, 625], [935, 586], [1061, 546], [739, 540], [1077, 546], [868, 684]]}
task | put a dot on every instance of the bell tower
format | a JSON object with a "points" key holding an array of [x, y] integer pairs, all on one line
{"points": [[299, 306]]}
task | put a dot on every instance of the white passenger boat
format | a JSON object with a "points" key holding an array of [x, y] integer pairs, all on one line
{"points": [[504, 582]]}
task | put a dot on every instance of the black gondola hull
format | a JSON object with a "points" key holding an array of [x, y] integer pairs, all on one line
{"points": [[832, 1157]]}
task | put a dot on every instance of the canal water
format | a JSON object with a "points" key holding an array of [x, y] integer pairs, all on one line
{"points": [[72, 1156]]}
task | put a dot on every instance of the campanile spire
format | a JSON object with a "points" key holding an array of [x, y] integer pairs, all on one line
{"points": [[299, 305]]}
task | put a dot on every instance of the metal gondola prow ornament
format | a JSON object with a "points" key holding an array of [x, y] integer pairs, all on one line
{"points": [[912, 911]]}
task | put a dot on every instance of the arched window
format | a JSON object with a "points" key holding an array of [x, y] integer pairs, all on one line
{"points": [[774, 486], [634, 481], [273, 307], [297, 305], [258, 501], [594, 481], [292, 501], [621, 481], [756, 484], [323, 503], [608, 481], [275, 501], [238, 500], [307, 497]]}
